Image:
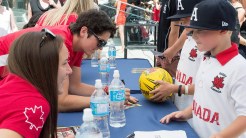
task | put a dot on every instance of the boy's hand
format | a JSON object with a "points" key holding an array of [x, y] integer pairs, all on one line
{"points": [[169, 54], [164, 90], [177, 116]]}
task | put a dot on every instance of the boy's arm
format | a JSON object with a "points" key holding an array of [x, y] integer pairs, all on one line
{"points": [[235, 129], [173, 50], [174, 33]]}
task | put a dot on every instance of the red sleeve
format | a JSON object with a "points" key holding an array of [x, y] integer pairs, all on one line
{"points": [[27, 116], [5, 44]]}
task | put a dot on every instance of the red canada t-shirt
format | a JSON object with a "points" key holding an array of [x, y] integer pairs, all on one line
{"points": [[23, 109], [75, 58]]}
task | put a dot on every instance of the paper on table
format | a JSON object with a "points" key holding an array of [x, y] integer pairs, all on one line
{"points": [[138, 70], [160, 134]]}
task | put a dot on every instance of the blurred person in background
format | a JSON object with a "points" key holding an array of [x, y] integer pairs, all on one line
{"points": [[241, 17], [7, 20], [156, 10], [41, 6], [120, 19], [66, 14]]}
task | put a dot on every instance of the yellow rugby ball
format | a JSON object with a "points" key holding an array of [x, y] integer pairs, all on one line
{"points": [[149, 76]]}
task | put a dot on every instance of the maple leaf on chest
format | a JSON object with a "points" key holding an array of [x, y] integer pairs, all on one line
{"points": [[193, 53], [218, 82]]}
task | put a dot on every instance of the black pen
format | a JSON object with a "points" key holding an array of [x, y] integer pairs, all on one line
{"points": [[123, 82], [131, 136]]}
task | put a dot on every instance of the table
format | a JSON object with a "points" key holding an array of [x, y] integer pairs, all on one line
{"points": [[142, 118], [90, 74]]}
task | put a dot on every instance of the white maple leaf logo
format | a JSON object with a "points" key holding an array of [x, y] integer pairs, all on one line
{"points": [[31, 117]]}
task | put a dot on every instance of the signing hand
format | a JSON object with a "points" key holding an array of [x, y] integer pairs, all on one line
{"points": [[129, 98]]}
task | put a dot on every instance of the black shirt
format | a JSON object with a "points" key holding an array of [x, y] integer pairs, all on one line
{"points": [[37, 8], [168, 8]]}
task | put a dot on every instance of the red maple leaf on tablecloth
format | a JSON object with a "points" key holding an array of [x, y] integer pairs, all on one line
{"points": [[218, 82], [34, 117], [193, 53]]}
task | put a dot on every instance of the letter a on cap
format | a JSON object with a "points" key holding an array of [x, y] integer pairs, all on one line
{"points": [[194, 14], [180, 5]]}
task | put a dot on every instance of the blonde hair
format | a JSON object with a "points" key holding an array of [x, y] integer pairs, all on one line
{"points": [[55, 16]]}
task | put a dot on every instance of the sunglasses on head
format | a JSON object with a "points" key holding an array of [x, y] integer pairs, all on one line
{"points": [[101, 42], [47, 33]]}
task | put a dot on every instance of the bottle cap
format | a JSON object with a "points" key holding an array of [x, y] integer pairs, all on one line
{"points": [[116, 74], [88, 115], [98, 83]]}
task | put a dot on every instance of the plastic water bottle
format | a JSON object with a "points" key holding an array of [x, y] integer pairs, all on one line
{"points": [[112, 56], [104, 70], [94, 59], [88, 129], [100, 109], [117, 99]]}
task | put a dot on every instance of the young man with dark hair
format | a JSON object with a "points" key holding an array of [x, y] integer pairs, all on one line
{"points": [[89, 33]]}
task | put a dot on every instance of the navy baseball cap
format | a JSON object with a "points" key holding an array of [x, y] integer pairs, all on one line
{"points": [[184, 8], [213, 15]]}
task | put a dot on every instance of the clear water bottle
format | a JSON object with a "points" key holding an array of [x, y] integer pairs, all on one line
{"points": [[100, 109], [94, 59], [117, 98], [112, 56], [88, 129], [104, 70]]}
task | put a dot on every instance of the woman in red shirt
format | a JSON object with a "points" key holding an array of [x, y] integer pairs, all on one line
{"points": [[120, 19], [156, 11], [29, 93]]}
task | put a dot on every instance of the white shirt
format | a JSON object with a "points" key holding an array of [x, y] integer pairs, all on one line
{"points": [[188, 65], [220, 92], [5, 27]]}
